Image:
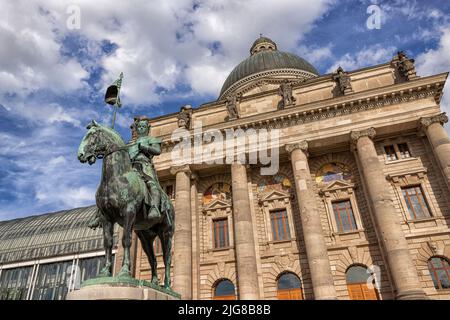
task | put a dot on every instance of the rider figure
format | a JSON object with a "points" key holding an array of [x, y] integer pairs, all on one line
{"points": [[141, 155]]}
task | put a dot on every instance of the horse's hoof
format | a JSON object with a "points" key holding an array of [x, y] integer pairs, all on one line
{"points": [[124, 273], [104, 273]]}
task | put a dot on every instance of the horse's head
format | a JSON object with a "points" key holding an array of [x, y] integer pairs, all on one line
{"points": [[96, 142]]}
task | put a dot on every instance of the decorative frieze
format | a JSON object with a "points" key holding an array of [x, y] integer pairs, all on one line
{"points": [[325, 111]]}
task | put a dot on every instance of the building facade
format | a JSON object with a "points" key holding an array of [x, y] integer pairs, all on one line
{"points": [[361, 195], [358, 207]]}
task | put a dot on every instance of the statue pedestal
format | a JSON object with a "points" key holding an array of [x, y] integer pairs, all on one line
{"points": [[116, 288]]}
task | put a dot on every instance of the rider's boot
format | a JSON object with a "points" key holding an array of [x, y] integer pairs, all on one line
{"points": [[153, 213]]}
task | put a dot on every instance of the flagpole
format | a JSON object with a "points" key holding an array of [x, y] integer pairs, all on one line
{"points": [[114, 116], [114, 98]]}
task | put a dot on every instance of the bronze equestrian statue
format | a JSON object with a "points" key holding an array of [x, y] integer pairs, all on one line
{"points": [[130, 194]]}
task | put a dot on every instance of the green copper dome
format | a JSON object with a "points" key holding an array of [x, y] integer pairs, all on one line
{"points": [[266, 57]]}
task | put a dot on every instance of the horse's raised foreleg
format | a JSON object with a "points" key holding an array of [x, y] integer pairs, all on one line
{"points": [[166, 242], [128, 222], [108, 233]]}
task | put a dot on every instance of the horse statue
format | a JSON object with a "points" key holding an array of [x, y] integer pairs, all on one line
{"points": [[124, 198]]}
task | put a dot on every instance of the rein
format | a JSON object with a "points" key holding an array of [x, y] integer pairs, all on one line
{"points": [[113, 151]]}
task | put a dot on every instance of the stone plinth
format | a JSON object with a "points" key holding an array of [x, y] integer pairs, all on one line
{"points": [[114, 288]]}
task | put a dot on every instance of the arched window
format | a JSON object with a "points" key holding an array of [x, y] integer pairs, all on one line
{"points": [[357, 286], [289, 287], [440, 272], [219, 190], [333, 171], [224, 290], [277, 182]]}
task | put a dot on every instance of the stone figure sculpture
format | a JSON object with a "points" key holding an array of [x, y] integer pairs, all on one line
{"points": [[184, 117], [285, 91], [232, 106], [343, 80]]}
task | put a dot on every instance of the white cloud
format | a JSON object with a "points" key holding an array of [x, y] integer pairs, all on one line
{"points": [[160, 45], [436, 61], [29, 54], [148, 52], [366, 57]]}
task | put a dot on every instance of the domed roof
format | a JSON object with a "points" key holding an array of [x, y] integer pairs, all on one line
{"points": [[265, 57]]}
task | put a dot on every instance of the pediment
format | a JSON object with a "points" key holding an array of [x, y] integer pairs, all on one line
{"points": [[274, 194], [338, 184], [217, 204]]}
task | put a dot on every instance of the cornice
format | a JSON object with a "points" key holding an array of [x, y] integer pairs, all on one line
{"points": [[420, 88], [299, 74]]}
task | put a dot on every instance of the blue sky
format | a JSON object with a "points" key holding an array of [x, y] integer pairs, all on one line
{"points": [[52, 77]]}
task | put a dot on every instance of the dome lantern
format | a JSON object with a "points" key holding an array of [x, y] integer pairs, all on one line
{"points": [[262, 43]]}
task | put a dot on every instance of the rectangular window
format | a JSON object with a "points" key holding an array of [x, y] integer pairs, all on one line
{"points": [[416, 203], [404, 151], [343, 213], [390, 153], [280, 225], [220, 228]]}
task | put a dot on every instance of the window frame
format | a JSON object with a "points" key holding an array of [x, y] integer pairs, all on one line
{"points": [[397, 152], [423, 202], [286, 224], [333, 202], [433, 270], [223, 297], [341, 192], [226, 233]]}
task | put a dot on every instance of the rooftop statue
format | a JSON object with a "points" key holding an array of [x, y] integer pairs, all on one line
{"points": [[285, 91], [130, 194], [343, 80]]}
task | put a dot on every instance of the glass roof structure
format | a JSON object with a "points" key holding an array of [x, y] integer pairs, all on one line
{"points": [[52, 234]]}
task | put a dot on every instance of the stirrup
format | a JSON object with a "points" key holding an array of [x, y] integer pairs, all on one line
{"points": [[149, 214]]}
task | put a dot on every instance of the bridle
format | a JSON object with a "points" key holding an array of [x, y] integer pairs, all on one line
{"points": [[108, 152]]}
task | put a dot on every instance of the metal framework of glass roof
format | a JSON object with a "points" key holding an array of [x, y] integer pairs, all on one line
{"points": [[51, 234]]}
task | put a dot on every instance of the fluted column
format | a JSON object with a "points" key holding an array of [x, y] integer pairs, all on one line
{"points": [[243, 235], [316, 249], [387, 221], [439, 140], [182, 259]]}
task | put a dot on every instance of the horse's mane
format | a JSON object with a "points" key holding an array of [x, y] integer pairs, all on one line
{"points": [[113, 134]]}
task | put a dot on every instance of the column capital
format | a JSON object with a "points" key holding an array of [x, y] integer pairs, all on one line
{"points": [[355, 135], [183, 168], [302, 145], [425, 122]]}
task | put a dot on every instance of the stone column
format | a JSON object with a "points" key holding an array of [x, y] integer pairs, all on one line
{"points": [[389, 231], [243, 235], [439, 140], [182, 259], [316, 249]]}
